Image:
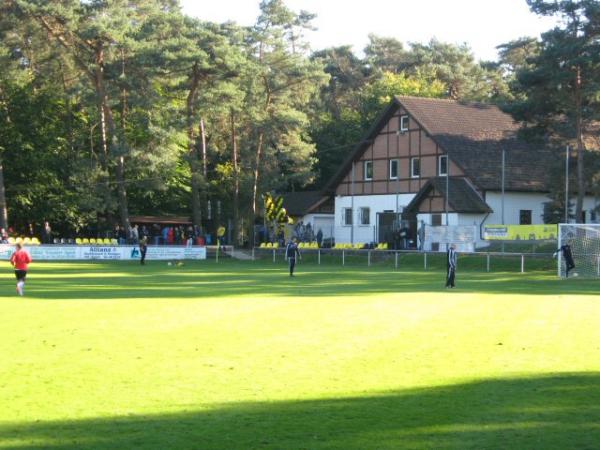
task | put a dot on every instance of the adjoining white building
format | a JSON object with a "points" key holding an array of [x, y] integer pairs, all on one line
{"points": [[440, 162]]}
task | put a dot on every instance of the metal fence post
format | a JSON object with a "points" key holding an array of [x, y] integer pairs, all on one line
{"points": [[396, 260], [488, 262], [252, 253], [368, 258], [522, 263], [425, 260], [599, 266], [273, 255], [319, 256], [343, 257]]}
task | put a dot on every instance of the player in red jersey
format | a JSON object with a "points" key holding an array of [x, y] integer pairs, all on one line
{"points": [[20, 259]]}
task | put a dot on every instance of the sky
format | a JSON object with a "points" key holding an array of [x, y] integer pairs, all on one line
{"points": [[481, 24]]}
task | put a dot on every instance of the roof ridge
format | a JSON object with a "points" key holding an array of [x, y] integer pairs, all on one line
{"points": [[448, 100]]}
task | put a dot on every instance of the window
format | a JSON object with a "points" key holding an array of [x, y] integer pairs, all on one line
{"points": [[368, 170], [436, 220], [403, 123], [394, 166], [347, 216], [365, 216], [525, 217], [593, 216], [415, 167], [443, 165]]}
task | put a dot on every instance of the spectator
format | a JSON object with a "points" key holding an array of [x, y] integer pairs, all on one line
{"points": [[165, 235], [135, 234], [319, 237], [46, 233]]}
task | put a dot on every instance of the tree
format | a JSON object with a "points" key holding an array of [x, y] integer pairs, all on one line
{"points": [[562, 84]]}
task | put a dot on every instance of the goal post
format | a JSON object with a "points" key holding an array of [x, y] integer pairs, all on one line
{"points": [[584, 240]]}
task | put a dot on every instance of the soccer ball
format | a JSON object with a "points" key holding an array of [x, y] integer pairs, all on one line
{"points": [[575, 274], [169, 263]]}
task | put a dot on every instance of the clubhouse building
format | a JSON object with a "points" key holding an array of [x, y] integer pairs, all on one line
{"points": [[439, 162]]}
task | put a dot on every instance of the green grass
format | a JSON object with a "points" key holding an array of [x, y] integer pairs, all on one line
{"points": [[241, 356]]}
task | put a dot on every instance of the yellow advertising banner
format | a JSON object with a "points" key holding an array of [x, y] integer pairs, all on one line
{"points": [[520, 232]]}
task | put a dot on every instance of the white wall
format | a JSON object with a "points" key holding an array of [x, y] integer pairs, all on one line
{"points": [[376, 203], [325, 222], [515, 201]]}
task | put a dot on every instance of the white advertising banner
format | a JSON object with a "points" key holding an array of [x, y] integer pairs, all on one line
{"points": [[100, 252], [462, 236]]}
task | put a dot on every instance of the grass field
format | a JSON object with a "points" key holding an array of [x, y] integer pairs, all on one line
{"points": [[238, 355]]}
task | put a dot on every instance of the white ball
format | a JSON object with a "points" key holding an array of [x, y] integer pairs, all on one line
{"points": [[169, 263]]}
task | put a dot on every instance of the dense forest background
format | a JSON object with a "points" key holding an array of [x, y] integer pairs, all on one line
{"points": [[112, 108]]}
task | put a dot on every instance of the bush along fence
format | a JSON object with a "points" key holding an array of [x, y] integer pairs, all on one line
{"points": [[411, 259]]}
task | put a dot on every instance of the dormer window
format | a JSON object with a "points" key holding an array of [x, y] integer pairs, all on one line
{"points": [[403, 123]]}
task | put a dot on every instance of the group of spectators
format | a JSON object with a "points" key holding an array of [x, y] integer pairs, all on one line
{"points": [[153, 234], [157, 235]]}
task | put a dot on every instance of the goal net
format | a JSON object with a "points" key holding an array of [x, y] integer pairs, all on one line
{"points": [[584, 240]]}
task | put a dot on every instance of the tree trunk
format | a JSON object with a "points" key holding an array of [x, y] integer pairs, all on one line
{"points": [[236, 182], [3, 208], [204, 199], [581, 185], [192, 153], [255, 185]]}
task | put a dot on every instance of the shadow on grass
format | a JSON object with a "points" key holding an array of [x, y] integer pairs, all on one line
{"points": [[544, 412]]}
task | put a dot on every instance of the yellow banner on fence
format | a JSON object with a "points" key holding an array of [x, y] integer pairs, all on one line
{"points": [[520, 232]]}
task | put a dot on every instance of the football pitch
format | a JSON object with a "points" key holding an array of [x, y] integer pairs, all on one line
{"points": [[238, 355]]}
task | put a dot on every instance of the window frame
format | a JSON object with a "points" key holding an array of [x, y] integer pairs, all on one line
{"points": [[403, 117], [412, 167], [521, 211], [361, 216], [445, 157], [397, 161], [365, 171], [345, 217]]}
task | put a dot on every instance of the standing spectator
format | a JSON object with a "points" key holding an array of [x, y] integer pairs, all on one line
{"points": [[170, 236], [135, 234], [122, 235], [319, 237], [46, 233], [451, 260], [30, 230], [3, 236], [145, 232], [20, 260]]}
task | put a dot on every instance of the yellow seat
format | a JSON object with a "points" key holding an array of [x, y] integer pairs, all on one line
{"points": [[78, 241], [113, 241], [11, 240], [269, 245], [93, 241], [27, 240], [275, 244], [35, 241], [19, 240], [106, 241], [85, 241], [263, 245]]}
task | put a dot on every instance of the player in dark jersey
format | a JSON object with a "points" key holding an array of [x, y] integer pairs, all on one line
{"points": [[291, 251], [568, 255], [451, 263]]}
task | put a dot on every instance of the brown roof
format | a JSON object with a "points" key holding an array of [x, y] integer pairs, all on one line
{"points": [[462, 198], [473, 135], [301, 203]]}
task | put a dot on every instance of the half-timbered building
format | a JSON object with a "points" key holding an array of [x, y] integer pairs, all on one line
{"points": [[440, 162]]}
